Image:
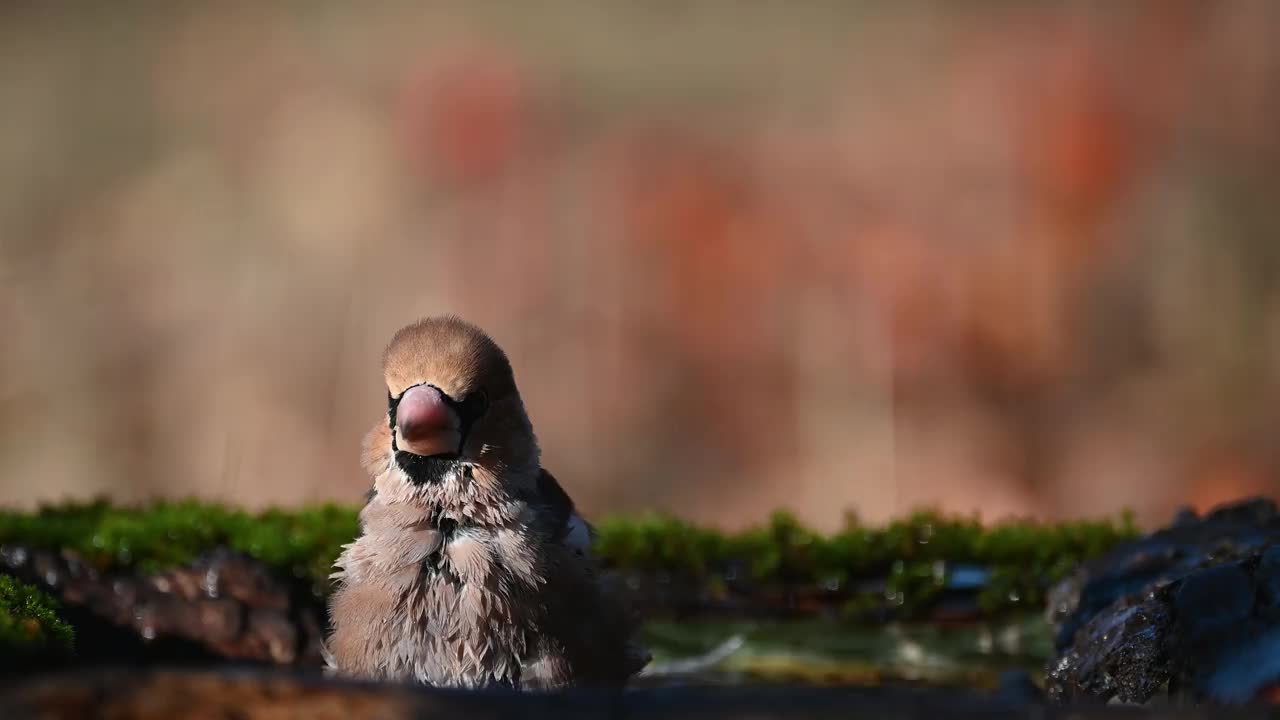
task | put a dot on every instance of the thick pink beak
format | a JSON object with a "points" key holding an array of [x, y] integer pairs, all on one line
{"points": [[425, 425]]}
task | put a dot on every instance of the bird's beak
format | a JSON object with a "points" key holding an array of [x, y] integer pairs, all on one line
{"points": [[425, 424]]}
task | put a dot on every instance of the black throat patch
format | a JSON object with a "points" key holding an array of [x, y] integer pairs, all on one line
{"points": [[424, 469]]}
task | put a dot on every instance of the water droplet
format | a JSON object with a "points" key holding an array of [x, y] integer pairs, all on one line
{"points": [[985, 641], [16, 557], [210, 582]]}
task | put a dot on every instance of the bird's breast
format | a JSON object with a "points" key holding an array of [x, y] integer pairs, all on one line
{"points": [[470, 555]]}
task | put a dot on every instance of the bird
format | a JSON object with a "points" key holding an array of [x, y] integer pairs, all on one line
{"points": [[472, 567]]}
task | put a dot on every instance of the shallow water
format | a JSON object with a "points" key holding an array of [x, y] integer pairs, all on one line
{"points": [[819, 652]]}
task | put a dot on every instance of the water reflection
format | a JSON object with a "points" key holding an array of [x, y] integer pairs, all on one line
{"points": [[822, 652]]}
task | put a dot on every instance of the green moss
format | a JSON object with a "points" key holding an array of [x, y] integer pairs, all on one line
{"points": [[784, 549], [30, 629], [912, 555], [304, 542]]}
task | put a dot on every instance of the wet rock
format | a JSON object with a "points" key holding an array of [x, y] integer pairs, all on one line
{"points": [[223, 606], [1184, 516], [1196, 620], [1211, 600], [1121, 656], [1248, 672], [1232, 531], [1269, 582]]}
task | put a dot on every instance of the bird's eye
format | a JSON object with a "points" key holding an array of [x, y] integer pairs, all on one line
{"points": [[474, 404]]}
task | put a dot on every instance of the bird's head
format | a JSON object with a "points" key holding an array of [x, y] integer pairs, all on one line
{"points": [[452, 397]]}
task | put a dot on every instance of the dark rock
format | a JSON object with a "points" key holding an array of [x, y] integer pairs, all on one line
{"points": [[1211, 599], [1254, 512], [1268, 579], [223, 606], [1120, 655], [1244, 671], [1184, 516], [1234, 530], [1187, 613]]}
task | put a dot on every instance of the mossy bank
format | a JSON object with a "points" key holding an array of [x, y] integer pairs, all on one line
{"points": [[31, 632], [907, 564]]}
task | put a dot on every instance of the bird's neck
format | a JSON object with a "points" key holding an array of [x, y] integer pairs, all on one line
{"points": [[463, 493]]}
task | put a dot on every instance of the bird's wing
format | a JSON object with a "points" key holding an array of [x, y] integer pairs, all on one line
{"points": [[566, 524]]}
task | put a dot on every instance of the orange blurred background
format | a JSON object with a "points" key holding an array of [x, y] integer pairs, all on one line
{"points": [[1003, 257]]}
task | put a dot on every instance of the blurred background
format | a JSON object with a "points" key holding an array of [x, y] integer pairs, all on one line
{"points": [[1013, 258]]}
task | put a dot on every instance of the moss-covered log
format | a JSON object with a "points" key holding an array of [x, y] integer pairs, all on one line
{"points": [[908, 567], [32, 634]]}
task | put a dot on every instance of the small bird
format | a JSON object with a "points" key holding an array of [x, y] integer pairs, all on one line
{"points": [[472, 567]]}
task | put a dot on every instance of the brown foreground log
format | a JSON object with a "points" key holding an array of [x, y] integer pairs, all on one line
{"points": [[222, 606], [257, 694]]}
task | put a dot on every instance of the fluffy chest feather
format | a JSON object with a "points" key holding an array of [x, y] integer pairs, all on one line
{"points": [[466, 620], [432, 595]]}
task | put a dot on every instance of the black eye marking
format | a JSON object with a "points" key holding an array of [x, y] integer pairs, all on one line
{"points": [[471, 407]]}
